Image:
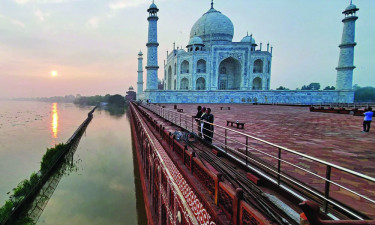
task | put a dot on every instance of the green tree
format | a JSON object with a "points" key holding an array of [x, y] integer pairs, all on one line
{"points": [[116, 100], [329, 88], [311, 86], [365, 94], [281, 88]]}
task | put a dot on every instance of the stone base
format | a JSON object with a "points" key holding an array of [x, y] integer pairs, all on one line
{"points": [[243, 97]]}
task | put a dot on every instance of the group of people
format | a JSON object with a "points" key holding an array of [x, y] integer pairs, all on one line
{"points": [[205, 122]]}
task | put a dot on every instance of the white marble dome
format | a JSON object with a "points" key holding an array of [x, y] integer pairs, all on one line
{"points": [[181, 51], [213, 25], [248, 39], [195, 41]]}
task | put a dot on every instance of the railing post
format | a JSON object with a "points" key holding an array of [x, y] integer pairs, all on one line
{"points": [[192, 124], [225, 141], [247, 147], [327, 186], [217, 182], [279, 168], [236, 206]]}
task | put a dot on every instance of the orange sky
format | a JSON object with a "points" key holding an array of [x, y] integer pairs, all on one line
{"points": [[93, 45]]}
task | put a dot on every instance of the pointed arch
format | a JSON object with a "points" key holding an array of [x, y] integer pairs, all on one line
{"points": [[184, 84], [230, 70], [201, 84], [169, 81], [185, 67], [201, 66], [258, 66], [257, 83]]}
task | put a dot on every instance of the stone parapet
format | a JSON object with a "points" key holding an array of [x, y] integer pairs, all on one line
{"points": [[248, 97]]}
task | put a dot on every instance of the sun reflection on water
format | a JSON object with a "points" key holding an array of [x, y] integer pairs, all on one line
{"points": [[55, 120]]}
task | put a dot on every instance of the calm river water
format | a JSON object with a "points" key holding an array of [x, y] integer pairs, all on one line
{"points": [[104, 189]]}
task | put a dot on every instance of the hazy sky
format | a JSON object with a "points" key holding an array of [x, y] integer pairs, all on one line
{"points": [[93, 44]]}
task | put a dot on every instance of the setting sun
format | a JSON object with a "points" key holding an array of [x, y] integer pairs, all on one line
{"points": [[54, 73]]}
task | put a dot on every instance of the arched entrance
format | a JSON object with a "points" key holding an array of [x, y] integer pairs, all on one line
{"points": [[201, 84], [257, 84], [229, 74], [201, 66], [184, 84], [184, 67], [258, 66], [169, 81]]}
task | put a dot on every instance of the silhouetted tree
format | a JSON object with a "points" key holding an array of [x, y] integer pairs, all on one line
{"points": [[329, 88], [281, 88], [312, 86], [116, 100]]}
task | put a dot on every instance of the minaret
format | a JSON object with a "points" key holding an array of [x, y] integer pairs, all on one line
{"points": [[152, 48], [346, 61], [140, 76]]}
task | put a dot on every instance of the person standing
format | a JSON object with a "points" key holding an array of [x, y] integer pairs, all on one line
{"points": [[208, 128], [197, 118], [367, 120], [199, 112]]}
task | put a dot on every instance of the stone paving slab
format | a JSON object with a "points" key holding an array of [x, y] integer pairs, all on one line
{"points": [[335, 138]]}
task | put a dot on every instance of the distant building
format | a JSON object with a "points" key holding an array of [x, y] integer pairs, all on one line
{"points": [[215, 69], [131, 95]]}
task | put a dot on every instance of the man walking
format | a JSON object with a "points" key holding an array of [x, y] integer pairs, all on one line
{"points": [[367, 120]]}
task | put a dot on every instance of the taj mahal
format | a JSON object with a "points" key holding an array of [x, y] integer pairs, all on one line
{"points": [[216, 69]]}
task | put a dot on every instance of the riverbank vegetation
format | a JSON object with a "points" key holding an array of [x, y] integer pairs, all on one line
{"points": [[29, 186], [98, 99]]}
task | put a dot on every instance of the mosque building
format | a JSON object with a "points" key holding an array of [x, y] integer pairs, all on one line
{"points": [[213, 61], [216, 69]]}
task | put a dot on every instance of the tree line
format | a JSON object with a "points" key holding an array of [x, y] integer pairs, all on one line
{"points": [[361, 94], [98, 99]]}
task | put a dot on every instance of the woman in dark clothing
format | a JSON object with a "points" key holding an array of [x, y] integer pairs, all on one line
{"points": [[208, 129], [199, 113]]}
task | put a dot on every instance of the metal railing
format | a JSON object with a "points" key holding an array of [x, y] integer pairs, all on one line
{"points": [[179, 195], [243, 147]]}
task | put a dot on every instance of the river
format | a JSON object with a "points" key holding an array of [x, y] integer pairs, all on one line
{"points": [[104, 187]]}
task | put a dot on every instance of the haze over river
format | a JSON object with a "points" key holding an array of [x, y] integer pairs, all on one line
{"points": [[104, 188]]}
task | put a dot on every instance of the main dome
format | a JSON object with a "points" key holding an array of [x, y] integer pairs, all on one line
{"points": [[213, 25]]}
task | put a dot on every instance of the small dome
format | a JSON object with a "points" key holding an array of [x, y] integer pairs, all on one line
{"points": [[351, 7], [131, 88], [140, 53], [248, 39], [181, 51], [195, 41], [213, 25], [153, 6]]}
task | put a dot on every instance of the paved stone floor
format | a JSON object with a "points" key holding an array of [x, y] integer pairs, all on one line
{"points": [[333, 138]]}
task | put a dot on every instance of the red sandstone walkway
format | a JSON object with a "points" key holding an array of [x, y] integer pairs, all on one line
{"points": [[334, 138]]}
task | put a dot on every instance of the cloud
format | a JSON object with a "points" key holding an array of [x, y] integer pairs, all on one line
{"points": [[21, 2], [40, 15], [94, 22], [13, 21], [121, 4]]}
